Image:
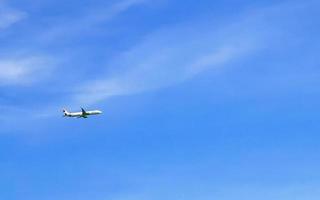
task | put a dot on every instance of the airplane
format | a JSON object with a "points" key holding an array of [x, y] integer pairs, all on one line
{"points": [[82, 114]]}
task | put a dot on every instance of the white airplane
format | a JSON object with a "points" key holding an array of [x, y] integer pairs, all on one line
{"points": [[82, 114]]}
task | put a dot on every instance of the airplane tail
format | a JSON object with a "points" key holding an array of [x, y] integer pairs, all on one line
{"points": [[65, 112]]}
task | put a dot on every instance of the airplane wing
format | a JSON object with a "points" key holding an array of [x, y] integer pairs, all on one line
{"points": [[83, 112]]}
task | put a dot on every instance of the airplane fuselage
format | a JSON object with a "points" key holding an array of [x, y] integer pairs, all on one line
{"points": [[83, 114]]}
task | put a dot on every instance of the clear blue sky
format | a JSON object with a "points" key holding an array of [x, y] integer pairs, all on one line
{"points": [[202, 100]]}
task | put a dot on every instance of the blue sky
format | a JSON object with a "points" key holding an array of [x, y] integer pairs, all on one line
{"points": [[202, 100]]}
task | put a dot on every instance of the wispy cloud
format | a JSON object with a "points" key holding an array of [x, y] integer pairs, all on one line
{"points": [[25, 70], [9, 16], [177, 53], [165, 57], [173, 55], [87, 21]]}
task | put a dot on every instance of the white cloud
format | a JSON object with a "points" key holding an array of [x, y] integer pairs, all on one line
{"points": [[171, 56], [22, 71], [178, 53], [9, 16], [118, 8], [17, 71], [81, 24]]}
